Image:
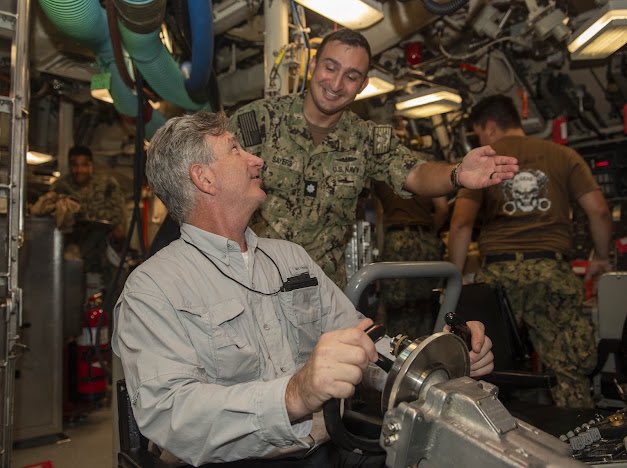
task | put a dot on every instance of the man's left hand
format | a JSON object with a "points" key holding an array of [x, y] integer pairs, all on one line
{"points": [[482, 167], [481, 357]]}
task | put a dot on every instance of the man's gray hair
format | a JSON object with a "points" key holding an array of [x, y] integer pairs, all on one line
{"points": [[181, 142]]}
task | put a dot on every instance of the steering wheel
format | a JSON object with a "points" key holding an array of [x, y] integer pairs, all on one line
{"points": [[419, 364]]}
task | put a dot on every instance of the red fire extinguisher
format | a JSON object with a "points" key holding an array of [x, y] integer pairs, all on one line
{"points": [[93, 352]]}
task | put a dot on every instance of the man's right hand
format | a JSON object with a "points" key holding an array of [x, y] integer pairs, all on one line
{"points": [[332, 371]]}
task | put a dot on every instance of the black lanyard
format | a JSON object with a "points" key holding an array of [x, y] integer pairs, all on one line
{"points": [[234, 280]]}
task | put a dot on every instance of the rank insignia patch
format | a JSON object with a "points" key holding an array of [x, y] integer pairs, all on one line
{"points": [[311, 188]]}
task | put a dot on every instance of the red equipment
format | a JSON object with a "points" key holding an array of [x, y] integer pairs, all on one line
{"points": [[93, 352]]}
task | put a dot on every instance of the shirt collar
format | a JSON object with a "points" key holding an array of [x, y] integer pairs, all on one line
{"points": [[217, 246]]}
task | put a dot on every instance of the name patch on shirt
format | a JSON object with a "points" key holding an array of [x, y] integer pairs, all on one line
{"points": [[285, 162], [298, 270], [381, 138]]}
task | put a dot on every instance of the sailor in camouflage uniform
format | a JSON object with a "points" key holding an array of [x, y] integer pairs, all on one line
{"points": [[318, 155], [102, 209], [411, 228], [525, 239], [313, 189]]}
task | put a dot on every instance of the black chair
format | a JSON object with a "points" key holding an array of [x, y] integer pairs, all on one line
{"points": [[134, 451], [612, 385], [488, 304], [612, 330]]}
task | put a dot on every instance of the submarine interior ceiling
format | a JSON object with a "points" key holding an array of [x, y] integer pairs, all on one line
{"points": [[520, 48]]}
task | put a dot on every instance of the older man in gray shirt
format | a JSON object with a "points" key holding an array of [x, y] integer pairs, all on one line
{"points": [[224, 360]]}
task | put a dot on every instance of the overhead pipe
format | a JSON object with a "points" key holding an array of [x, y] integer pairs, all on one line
{"points": [[149, 54], [145, 17], [229, 13], [86, 22], [277, 37], [442, 9], [400, 20], [201, 25], [244, 85]]}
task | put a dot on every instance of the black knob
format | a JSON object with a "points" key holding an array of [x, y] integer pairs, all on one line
{"points": [[458, 327]]}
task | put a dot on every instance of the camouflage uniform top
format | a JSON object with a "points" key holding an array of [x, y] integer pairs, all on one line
{"points": [[101, 199], [532, 210], [313, 190]]}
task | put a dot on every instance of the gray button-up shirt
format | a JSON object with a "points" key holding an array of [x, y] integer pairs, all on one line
{"points": [[206, 360]]}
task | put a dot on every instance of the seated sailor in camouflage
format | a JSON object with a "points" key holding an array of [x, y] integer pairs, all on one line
{"points": [[101, 207], [318, 154]]}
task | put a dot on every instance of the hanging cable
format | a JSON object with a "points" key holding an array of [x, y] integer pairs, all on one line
{"points": [[111, 293], [479, 51], [116, 43], [303, 31]]}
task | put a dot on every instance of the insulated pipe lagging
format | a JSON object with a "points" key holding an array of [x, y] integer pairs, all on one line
{"points": [[201, 25], [83, 20], [157, 121], [86, 22], [124, 101], [157, 66], [154, 61], [141, 16]]}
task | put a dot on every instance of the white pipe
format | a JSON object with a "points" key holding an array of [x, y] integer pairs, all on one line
{"points": [[441, 132], [276, 18], [230, 13], [243, 85], [65, 135], [400, 20]]}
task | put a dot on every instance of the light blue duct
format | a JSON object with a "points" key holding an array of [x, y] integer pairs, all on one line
{"points": [[86, 22], [155, 62]]}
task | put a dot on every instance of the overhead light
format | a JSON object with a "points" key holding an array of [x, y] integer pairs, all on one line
{"points": [[100, 85], [601, 35], [429, 102], [352, 14], [378, 83], [35, 158]]}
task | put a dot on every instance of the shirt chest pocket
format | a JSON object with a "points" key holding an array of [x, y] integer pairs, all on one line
{"points": [[224, 351], [346, 178], [303, 310]]}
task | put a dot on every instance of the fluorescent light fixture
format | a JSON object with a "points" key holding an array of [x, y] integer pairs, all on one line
{"points": [[352, 14], [378, 83], [429, 102], [601, 35], [35, 157], [100, 85]]}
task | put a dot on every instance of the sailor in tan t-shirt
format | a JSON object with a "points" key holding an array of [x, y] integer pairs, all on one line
{"points": [[525, 238]]}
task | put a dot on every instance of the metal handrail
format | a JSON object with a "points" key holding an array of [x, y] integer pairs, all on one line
{"points": [[385, 270]]}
